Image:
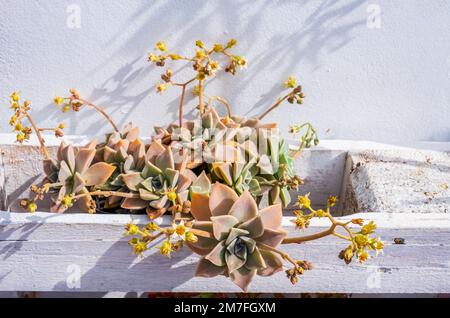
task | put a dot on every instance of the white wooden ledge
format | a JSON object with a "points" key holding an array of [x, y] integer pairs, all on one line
{"points": [[405, 185]]}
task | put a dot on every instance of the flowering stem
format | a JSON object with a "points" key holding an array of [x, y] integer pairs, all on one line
{"points": [[107, 194], [200, 97], [222, 100], [101, 111], [271, 108], [183, 94], [39, 136], [284, 255], [312, 237]]}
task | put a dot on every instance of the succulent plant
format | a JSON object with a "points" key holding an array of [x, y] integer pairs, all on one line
{"points": [[241, 240], [75, 174]]}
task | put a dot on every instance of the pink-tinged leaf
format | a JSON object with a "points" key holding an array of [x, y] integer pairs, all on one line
{"points": [[217, 255], [274, 263], [129, 164], [223, 171], [133, 134], [98, 173], [59, 153], [56, 206], [109, 154], [274, 195], [254, 226], [242, 277], [201, 184], [154, 151], [78, 183], [190, 174], [137, 149], [160, 203], [222, 225], [221, 199], [255, 260], [244, 208], [64, 172], [200, 207], [165, 160], [132, 180], [272, 216], [68, 155], [272, 238], [134, 204], [183, 183], [207, 269], [234, 262], [204, 245], [84, 159], [84, 202], [155, 213], [91, 145], [50, 166]]}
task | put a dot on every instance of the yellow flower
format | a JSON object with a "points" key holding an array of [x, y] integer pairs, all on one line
{"points": [[26, 103], [363, 256], [18, 127], [67, 201], [161, 46], [153, 57], [218, 47], [174, 57], [166, 248], [139, 247], [20, 138], [161, 87], [13, 120], [369, 228], [201, 76], [200, 44], [180, 229], [172, 196], [320, 213], [191, 237], [348, 255], [152, 227], [131, 229], [200, 54], [58, 100], [241, 61], [291, 82], [361, 240], [15, 97], [231, 43], [332, 200], [66, 108], [304, 201], [61, 126], [32, 207]]}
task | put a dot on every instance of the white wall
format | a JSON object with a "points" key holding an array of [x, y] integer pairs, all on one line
{"points": [[362, 82]]}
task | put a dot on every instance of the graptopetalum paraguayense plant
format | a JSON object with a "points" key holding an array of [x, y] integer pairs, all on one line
{"points": [[211, 175]]}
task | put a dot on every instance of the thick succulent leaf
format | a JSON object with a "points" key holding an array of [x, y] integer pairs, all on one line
{"points": [[84, 202], [134, 204], [272, 238], [217, 255], [98, 173], [56, 206], [132, 180], [254, 226], [244, 208], [285, 196], [233, 262], [165, 160], [150, 170], [122, 154], [160, 203], [235, 233], [221, 199], [137, 149], [272, 216], [222, 225], [274, 195], [255, 260], [223, 171], [201, 184], [129, 164], [249, 243], [274, 263], [132, 134], [183, 183], [200, 207], [92, 144], [172, 177], [84, 159], [147, 195], [154, 151], [182, 196], [155, 213], [109, 154], [265, 165], [254, 187], [237, 169], [59, 152], [78, 183], [207, 269], [68, 155], [64, 172], [50, 166], [204, 245], [243, 277]]}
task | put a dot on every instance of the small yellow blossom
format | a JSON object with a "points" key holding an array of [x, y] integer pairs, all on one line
{"points": [[32, 207], [174, 57], [172, 196], [332, 200], [201, 76], [241, 61], [26, 103], [58, 100], [153, 57], [231, 43], [348, 255], [361, 240], [161, 87], [61, 126], [18, 127], [218, 47], [320, 213], [291, 82], [161, 46], [131, 229], [304, 201], [369, 228], [20, 138], [152, 227], [166, 248], [180, 230], [66, 108], [363, 256], [200, 44], [139, 247], [200, 54], [15, 96], [191, 237], [67, 201]]}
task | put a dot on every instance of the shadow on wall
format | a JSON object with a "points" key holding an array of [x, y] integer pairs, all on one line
{"points": [[324, 30]]}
